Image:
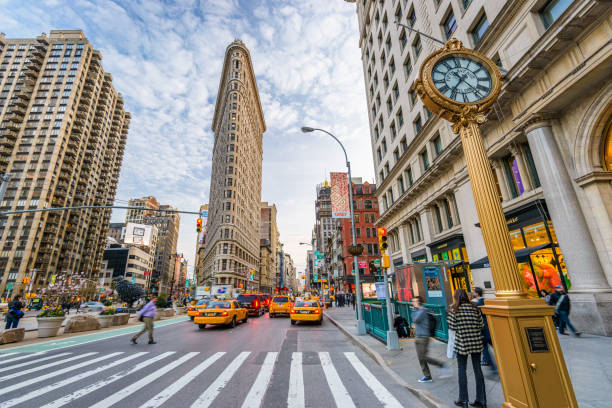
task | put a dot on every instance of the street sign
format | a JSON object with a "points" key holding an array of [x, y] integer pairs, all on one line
{"points": [[133, 279], [363, 264]]}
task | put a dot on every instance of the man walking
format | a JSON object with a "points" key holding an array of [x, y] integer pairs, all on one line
{"points": [[421, 341], [562, 308], [486, 335], [14, 313], [147, 313]]}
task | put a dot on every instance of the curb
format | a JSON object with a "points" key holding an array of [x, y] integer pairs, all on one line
{"points": [[427, 398]]}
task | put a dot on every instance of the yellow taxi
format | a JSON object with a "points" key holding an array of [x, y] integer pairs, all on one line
{"points": [[306, 311], [193, 311], [280, 305], [221, 312]]}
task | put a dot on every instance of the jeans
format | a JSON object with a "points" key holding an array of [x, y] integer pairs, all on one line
{"points": [[462, 371], [564, 317], [486, 353], [422, 344], [11, 321]]}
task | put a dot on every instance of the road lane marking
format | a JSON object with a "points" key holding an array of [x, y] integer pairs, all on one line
{"points": [[295, 398], [176, 386], [38, 360], [341, 395], [213, 390], [127, 391], [21, 357], [26, 383], [97, 385], [258, 390], [44, 366], [44, 390], [383, 395]]}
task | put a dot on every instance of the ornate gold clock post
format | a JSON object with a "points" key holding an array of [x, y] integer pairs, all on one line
{"points": [[461, 85]]}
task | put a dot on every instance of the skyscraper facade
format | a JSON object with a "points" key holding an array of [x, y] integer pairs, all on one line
{"points": [[233, 238], [63, 129], [548, 138]]}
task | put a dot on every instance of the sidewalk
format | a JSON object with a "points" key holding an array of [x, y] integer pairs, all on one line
{"points": [[588, 360]]}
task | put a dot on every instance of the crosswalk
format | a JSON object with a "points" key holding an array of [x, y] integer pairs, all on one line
{"points": [[193, 379]]}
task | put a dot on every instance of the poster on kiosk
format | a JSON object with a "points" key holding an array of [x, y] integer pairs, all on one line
{"points": [[434, 289]]}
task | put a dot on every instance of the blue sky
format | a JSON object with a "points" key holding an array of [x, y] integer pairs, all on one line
{"points": [[166, 58]]}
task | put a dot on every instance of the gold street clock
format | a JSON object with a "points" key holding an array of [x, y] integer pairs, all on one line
{"points": [[455, 82]]}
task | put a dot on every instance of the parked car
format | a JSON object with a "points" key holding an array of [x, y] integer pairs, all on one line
{"points": [[253, 303], [92, 306]]}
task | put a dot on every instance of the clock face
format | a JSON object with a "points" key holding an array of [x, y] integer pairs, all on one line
{"points": [[462, 79]]}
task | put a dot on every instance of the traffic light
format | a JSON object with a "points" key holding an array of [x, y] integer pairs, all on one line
{"points": [[26, 280], [382, 240], [199, 225]]}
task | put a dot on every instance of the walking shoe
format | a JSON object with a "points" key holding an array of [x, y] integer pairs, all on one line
{"points": [[577, 334], [134, 341], [445, 372], [152, 342], [463, 404], [425, 380], [478, 404]]}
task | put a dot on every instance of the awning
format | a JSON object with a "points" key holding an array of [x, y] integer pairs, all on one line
{"points": [[522, 255]]}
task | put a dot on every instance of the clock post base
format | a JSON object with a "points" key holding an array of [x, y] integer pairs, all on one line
{"points": [[532, 369]]}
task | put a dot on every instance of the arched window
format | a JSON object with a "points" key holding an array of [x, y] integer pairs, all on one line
{"points": [[607, 147]]}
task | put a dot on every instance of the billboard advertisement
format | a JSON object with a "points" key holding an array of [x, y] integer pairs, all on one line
{"points": [[340, 195], [138, 234]]}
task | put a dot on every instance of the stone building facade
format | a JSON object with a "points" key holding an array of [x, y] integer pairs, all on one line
{"points": [[233, 243], [63, 129], [548, 139], [269, 246]]}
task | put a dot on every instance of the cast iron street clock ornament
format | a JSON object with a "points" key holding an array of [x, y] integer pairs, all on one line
{"points": [[461, 86]]}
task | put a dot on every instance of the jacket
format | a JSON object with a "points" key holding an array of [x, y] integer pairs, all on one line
{"points": [[148, 310], [421, 322], [485, 328], [562, 304], [467, 324]]}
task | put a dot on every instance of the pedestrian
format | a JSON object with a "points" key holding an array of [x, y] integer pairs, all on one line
{"points": [[421, 341], [401, 326], [336, 300], [353, 300], [487, 360], [147, 314], [14, 313], [562, 309], [466, 320]]}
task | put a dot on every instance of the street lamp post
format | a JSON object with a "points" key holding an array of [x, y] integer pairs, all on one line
{"points": [[360, 322]]}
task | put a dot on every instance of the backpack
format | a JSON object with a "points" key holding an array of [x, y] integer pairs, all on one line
{"points": [[433, 323]]}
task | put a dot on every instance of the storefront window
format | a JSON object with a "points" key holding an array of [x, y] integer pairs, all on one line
{"points": [[516, 237], [536, 235], [514, 176]]}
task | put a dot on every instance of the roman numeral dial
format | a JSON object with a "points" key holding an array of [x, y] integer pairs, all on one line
{"points": [[462, 79]]}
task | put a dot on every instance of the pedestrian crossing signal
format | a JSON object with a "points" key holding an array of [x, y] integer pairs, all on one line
{"points": [[199, 225]]}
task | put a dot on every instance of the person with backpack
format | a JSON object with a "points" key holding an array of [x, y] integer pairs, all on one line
{"points": [[401, 326], [14, 313], [422, 332], [467, 322], [562, 309], [487, 360]]}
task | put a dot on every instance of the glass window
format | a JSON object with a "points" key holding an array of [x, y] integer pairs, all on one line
{"points": [[417, 46], [409, 175], [480, 28], [411, 18], [536, 235], [552, 10], [438, 218], [513, 176], [516, 237], [447, 212], [424, 159], [437, 143], [450, 24], [531, 164]]}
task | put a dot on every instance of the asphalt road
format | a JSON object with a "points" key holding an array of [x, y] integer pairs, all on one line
{"points": [[263, 363]]}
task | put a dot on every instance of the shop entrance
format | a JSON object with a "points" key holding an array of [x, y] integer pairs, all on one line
{"points": [[459, 277]]}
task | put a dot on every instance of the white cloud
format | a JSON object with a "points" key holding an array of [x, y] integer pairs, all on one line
{"points": [[166, 59]]}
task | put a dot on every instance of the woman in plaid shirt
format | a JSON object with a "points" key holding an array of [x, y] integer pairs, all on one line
{"points": [[467, 321]]}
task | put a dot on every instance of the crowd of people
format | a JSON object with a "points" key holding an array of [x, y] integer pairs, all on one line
{"points": [[344, 299]]}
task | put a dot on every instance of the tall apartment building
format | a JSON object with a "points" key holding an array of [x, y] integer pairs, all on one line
{"points": [[324, 223], [63, 129], [269, 245], [167, 224], [232, 243], [548, 139]]}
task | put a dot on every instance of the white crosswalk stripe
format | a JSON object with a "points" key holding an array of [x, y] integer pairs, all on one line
{"points": [[20, 357], [97, 385], [341, 395], [295, 399], [383, 395], [213, 390], [118, 396], [218, 373], [38, 360], [67, 381], [41, 378], [44, 367], [168, 392], [258, 390]]}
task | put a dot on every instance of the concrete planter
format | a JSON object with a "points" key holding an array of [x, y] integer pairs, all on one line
{"points": [[49, 326], [122, 318], [115, 320], [106, 320]]}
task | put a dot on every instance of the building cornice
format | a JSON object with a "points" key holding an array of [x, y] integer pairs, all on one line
{"points": [[594, 177]]}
